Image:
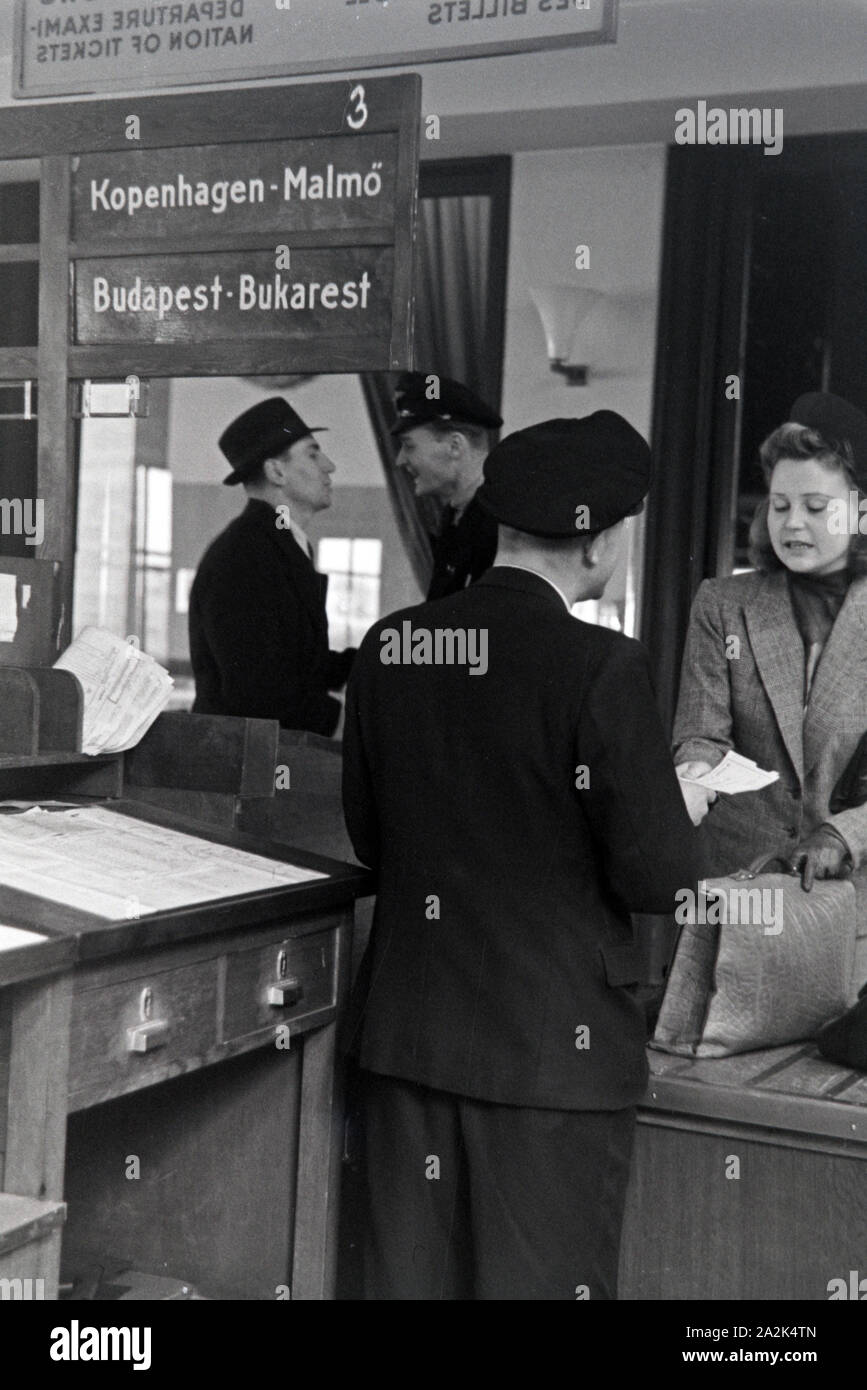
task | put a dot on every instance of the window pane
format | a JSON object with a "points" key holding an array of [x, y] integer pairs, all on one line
{"points": [[334, 555], [158, 532], [367, 557]]}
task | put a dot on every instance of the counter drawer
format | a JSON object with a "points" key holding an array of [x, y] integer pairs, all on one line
{"points": [[284, 982], [134, 1032]]}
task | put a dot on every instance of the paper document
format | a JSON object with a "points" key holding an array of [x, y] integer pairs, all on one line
{"points": [[124, 689], [734, 774], [118, 867]]}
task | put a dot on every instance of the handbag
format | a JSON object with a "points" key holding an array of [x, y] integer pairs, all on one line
{"points": [[760, 963]]}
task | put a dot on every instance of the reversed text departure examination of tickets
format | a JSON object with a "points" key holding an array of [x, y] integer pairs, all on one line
{"points": [[116, 866]]}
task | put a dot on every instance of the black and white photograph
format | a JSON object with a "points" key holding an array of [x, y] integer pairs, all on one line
{"points": [[433, 672]]}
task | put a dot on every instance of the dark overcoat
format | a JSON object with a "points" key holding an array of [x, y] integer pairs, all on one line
{"points": [[259, 631]]}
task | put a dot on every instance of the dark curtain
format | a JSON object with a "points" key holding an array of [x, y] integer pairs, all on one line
{"points": [[706, 241], [452, 288], [453, 337], [416, 517]]}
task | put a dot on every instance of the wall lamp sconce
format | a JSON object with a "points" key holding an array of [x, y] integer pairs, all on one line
{"points": [[563, 309]]}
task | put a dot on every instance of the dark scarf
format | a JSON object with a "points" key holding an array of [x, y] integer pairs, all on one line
{"points": [[816, 601]]}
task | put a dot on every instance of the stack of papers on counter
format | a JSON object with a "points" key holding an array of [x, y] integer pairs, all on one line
{"points": [[124, 689], [116, 866]]}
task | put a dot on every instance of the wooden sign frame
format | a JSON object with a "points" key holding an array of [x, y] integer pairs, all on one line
{"points": [[49, 136], [392, 105]]}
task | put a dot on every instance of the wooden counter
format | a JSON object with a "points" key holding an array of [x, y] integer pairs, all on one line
{"points": [[146, 1085], [794, 1217]]}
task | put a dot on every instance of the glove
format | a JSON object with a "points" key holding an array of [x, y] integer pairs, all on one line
{"points": [[824, 854]]}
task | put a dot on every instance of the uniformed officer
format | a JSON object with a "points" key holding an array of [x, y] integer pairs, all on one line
{"points": [[516, 809], [443, 429], [257, 620]]}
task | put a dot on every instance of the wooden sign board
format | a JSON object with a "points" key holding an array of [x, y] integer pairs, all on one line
{"points": [[335, 291], [103, 45], [306, 240], [343, 181]]}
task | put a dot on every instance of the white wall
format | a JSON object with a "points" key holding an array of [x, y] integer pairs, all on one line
{"points": [[611, 201], [202, 407]]}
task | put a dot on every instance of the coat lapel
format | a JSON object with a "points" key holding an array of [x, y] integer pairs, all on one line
{"points": [[309, 584], [779, 657], [840, 675]]}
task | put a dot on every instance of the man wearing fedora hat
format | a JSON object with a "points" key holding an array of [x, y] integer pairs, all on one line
{"points": [[257, 620], [516, 817], [443, 428]]}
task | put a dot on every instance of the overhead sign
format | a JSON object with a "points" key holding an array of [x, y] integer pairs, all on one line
{"points": [[305, 240], [339, 291], [339, 181], [104, 45]]}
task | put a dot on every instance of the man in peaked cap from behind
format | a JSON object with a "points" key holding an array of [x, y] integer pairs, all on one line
{"points": [[257, 621], [443, 429], [516, 809]]}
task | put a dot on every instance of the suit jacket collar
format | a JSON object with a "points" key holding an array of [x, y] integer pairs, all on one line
{"points": [[780, 659], [311, 586], [779, 656], [522, 581]]}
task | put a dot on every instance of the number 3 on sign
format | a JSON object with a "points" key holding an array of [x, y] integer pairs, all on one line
{"points": [[357, 117]]}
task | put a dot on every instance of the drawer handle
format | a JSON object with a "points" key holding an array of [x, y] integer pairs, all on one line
{"points": [[147, 1037], [285, 993]]}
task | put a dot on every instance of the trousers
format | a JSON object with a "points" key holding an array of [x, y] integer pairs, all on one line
{"points": [[467, 1199]]}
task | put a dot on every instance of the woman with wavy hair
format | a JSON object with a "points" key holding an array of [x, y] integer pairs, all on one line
{"points": [[775, 664]]}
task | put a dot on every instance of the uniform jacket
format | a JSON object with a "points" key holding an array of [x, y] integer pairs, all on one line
{"points": [[463, 551], [258, 629], [502, 923]]}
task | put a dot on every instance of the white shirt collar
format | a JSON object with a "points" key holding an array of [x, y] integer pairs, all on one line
{"points": [[301, 536], [511, 565]]}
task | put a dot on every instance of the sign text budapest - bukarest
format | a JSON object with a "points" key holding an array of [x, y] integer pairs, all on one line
{"points": [[218, 296]]}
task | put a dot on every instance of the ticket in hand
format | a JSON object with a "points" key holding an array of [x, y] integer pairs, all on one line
{"points": [[734, 774]]}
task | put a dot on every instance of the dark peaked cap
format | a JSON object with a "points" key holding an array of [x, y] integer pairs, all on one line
{"points": [[837, 422], [535, 479], [454, 402], [260, 433]]}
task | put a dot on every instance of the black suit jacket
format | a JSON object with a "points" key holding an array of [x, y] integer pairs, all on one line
{"points": [[462, 551], [502, 921], [258, 629]]}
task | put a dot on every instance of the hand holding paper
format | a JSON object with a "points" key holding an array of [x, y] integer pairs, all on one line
{"points": [[734, 774]]}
